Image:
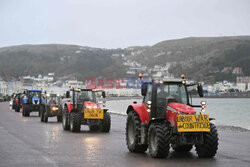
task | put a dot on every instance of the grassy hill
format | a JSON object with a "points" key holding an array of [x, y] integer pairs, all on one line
{"points": [[200, 58], [62, 59]]}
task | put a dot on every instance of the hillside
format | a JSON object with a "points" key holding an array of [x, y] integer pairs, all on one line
{"points": [[200, 58], [62, 59]]}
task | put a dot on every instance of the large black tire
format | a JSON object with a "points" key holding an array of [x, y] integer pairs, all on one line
{"points": [[210, 145], [65, 119], [133, 133], [105, 123], [182, 148], [158, 140], [26, 111], [17, 109], [45, 117], [41, 114], [23, 110], [59, 118], [75, 122], [94, 128]]}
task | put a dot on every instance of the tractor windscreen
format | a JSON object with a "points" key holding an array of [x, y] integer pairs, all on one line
{"points": [[171, 93], [86, 96], [35, 94], [53, 100]]}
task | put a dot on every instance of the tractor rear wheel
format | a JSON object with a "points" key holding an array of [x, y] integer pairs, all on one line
{"points": [[133, 133], [210, 143], [182, 148], [105, 123], [75, 121], [158, 140], [65, 119], [59, 118]]}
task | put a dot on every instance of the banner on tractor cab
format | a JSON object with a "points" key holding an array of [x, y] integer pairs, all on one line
{"points": [[193, 123]]}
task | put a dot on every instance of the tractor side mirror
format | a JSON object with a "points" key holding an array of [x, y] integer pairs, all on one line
{"points": [[103, 94], [144, 88], [200, 90], [67, 94]]}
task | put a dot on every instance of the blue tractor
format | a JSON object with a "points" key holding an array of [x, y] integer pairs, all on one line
{"points": [[31, 101]]}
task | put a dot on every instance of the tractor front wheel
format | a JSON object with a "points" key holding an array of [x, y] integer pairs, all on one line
{"points": [[59, 118], [105, 123], [75, 122], [17, 108], [133, 133], [45, 117], [41, 114], [65, 119], [26, 111], [158, 140], [210, 143]]}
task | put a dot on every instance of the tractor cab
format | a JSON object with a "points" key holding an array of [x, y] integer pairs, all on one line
{"points": [[85, 98], [52, 99], [162, 94]]}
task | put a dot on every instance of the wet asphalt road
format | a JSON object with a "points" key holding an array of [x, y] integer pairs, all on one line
{"points": [[25, 141]]}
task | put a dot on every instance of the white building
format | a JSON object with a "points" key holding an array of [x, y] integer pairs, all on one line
{"points": [[241, 87], [3, 87], [248, 87]]}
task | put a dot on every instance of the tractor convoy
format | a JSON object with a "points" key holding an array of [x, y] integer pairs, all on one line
{"points": [[165, 118]]}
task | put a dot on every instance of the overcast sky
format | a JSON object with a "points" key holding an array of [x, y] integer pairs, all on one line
{"points": [[119, 23]]}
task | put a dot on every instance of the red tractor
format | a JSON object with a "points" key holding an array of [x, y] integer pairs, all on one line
{"points": [[83, 109], [167, 118]]}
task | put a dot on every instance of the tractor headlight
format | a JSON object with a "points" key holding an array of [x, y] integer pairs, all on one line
{"points": [[149, 106], [203, 103], [203, 106], [54, 108]]}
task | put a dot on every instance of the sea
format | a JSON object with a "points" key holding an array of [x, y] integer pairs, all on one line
{"points": [[227, 111]]}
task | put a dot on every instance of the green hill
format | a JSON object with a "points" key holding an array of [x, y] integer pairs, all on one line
{"points": [[62, 59], [200, 58]]}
